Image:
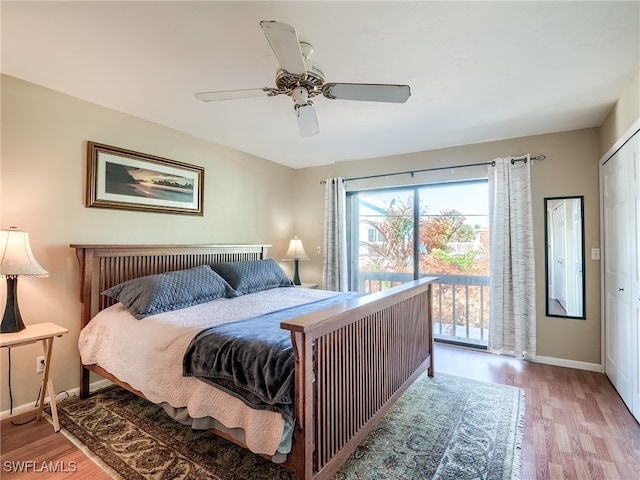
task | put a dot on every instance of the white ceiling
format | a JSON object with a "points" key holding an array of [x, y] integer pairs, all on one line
{"points": [[478, 71]]}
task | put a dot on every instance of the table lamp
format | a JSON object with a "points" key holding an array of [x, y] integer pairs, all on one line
{"points": [[296, 252], [16, 260]]}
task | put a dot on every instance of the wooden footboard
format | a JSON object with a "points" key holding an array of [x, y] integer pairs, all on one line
{"points": [[352, 360], [363, 355]]}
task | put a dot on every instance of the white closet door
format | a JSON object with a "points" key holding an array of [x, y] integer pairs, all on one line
{"points": [[617, 238]]}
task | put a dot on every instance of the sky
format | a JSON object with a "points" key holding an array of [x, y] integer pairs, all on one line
{"points": [[470, 198]]}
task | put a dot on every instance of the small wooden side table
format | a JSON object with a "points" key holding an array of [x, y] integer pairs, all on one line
{"points": [[44, 332]]}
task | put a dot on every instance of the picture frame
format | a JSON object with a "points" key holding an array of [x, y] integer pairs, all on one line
{"points": [[118, 178]]}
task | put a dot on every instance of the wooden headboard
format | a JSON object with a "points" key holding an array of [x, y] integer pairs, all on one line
{"points": [[103, 266]]}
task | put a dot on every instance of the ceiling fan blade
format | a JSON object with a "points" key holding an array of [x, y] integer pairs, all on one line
{"points": [[307, 120], [284, 42], [230, 94], [367, 92]]}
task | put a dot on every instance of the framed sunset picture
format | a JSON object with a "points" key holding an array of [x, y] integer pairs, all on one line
{"points": [[124, 179]]}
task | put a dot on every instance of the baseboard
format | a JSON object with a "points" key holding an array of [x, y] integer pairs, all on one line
{"points": [[69, 393], [563, 362]]}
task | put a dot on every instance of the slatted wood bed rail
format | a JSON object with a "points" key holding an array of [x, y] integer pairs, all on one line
{"points": [[352, 360]]}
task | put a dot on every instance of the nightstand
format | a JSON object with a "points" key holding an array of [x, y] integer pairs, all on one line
{"points": [[308, 285], [44, 332]]}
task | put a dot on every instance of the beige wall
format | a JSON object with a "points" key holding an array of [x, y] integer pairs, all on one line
{"points": [[44, 135], [622, 116], [571, 168]]}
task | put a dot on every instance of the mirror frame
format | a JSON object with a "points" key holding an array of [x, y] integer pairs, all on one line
{"points": [[546, 256]]}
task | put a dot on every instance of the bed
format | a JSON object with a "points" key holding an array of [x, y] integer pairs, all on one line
{"points": [[352, 359]]}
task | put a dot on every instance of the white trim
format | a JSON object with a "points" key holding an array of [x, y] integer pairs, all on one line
{"points": [[26, 407], [563, 362]]}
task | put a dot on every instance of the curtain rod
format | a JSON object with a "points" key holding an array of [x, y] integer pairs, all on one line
{"points": [[412, 172]]}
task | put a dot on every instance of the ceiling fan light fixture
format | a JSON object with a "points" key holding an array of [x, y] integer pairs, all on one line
{"points": [[307, 119], [300, 96]]}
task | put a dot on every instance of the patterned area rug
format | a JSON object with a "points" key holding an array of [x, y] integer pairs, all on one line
{"points": [[442, 428]]}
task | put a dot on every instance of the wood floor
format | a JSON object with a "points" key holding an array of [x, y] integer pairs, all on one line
{"points": [[576, 426]]}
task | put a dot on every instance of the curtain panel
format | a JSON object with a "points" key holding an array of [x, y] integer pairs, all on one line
{"points": [[334, 269], [512, 326]]}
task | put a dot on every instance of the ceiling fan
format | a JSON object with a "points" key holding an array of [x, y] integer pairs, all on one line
{"points": [[302, 79]]}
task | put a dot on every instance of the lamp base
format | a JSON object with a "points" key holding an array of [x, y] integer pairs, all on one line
{"points": [[296, 277], [12, 320]]}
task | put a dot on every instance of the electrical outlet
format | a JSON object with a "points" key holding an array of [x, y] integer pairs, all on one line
{"points": [[318, 249], [39, 364]]}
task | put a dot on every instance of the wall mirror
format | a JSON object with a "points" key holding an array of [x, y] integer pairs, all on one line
{"points": [[564, 257]]}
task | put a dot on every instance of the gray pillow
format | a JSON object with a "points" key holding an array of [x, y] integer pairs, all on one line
{"points": [[164, 292], [253, 275]]}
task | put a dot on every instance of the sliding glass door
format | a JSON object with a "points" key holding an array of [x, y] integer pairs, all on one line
{"points": [[397, 235]]}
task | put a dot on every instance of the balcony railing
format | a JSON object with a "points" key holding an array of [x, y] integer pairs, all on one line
{"points": [[460, 303]]}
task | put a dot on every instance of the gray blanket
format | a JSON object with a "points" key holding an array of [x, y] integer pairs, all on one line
{"points": [[252, 359]]}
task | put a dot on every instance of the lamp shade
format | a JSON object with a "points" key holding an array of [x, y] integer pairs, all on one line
{"points": [[16, 258], [296, 251]]}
